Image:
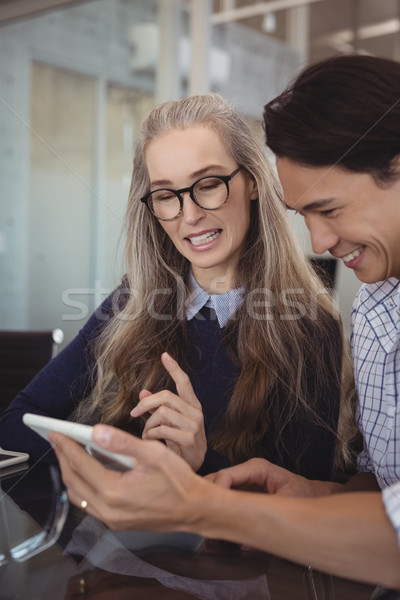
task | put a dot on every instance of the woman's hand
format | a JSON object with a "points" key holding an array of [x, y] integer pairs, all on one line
{"points": [[160, 493], [176, 418]]}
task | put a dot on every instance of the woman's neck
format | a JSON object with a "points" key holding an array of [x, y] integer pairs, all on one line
{"points": [[214, 283]]}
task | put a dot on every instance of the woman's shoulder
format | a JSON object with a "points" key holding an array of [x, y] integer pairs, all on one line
{"points": [[114, 302], [109, 307]]}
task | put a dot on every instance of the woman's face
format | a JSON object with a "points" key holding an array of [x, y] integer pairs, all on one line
{"points": [[210, 240]]}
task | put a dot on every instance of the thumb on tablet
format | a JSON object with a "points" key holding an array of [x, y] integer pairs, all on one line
{"points": [[116, 440]]}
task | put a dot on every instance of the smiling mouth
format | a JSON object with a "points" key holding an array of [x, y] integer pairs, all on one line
{"points": [[205, 238], [352, 255]]}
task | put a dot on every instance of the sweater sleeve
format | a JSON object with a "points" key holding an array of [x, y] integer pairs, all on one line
{"points": [[213, 461], [55, 391]]}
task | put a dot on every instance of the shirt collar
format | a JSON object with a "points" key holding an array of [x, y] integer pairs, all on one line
{"points": [[225, 305], [373, 294]]}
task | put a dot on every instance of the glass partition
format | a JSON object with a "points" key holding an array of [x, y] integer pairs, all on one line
{"points": [[71, 103], [75, 84]]}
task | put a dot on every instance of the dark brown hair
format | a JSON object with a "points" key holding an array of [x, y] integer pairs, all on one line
{"points": [[341, 111]]}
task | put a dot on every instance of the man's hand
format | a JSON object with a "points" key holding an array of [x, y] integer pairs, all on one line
{"points": [[260, 475], [156, 494]]}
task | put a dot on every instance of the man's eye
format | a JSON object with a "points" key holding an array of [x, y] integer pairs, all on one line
{"points": [[328, 213]]}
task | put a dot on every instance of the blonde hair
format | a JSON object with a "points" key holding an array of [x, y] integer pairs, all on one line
{"points": [[276, 350]]}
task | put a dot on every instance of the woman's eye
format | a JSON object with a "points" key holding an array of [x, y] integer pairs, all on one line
{"points": [[209, 185], [165, 196]]}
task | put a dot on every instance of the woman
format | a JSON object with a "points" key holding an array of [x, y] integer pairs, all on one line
{"points": [[215, 278]]}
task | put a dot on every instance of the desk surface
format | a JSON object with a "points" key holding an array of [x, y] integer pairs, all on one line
{"points": [[90, 561]]}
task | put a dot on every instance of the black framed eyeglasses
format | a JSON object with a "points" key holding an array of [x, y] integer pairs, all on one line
{"points": [[209, 192]]}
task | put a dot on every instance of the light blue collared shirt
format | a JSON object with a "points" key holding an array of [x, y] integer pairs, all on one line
{"points": [[225, 305]]}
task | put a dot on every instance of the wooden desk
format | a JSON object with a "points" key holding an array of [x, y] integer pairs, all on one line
{"points": [[89, 561]]}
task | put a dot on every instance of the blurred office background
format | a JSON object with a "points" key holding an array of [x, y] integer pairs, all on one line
{"points": [[76, 79]]}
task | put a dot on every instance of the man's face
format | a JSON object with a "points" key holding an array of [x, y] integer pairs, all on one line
{"points": [[348, 215]]}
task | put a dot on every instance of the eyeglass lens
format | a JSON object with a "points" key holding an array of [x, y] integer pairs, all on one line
{"points": [[210, 193]]}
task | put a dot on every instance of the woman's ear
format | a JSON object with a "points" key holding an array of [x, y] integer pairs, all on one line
{"points": [[253, 189]]}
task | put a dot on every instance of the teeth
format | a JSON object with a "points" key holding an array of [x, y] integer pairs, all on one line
{"points": [[352, 255], [197, 240]]}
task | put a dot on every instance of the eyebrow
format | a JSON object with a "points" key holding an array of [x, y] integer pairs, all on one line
{"points": [[194, 175], [313, 205]]}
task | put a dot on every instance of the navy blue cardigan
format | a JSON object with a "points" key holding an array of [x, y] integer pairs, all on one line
{"points": [[62, 384]]}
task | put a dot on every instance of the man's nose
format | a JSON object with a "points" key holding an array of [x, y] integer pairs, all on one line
{"points": [[323, 237]]}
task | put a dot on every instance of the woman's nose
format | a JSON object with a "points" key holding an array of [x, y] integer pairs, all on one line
{"points": [[192, 212]]}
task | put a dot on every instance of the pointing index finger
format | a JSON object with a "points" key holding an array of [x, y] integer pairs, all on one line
{"points": [[181, 379]]}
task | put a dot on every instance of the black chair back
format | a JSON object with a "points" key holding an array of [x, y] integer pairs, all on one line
{"points": [[22, 355]]}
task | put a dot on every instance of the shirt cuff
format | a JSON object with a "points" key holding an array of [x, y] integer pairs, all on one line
{"points": [[391, 501]]}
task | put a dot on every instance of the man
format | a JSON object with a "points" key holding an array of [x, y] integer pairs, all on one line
{"points": [[336, 136]]}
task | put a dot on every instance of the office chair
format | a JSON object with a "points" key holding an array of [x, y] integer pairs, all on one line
{"points": [[22, 355]]}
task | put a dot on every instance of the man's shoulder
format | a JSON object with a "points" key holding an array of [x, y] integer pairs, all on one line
{"points": [[372, 294]]}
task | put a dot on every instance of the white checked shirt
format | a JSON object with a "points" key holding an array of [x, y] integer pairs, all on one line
{"points": [[376, 355]]}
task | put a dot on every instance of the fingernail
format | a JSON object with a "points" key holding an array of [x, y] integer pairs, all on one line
{"points": [[102, 435], [133, 412], [52, 439]]}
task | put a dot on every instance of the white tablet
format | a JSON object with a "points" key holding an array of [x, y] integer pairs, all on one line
{"points": [[80, 433]]}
